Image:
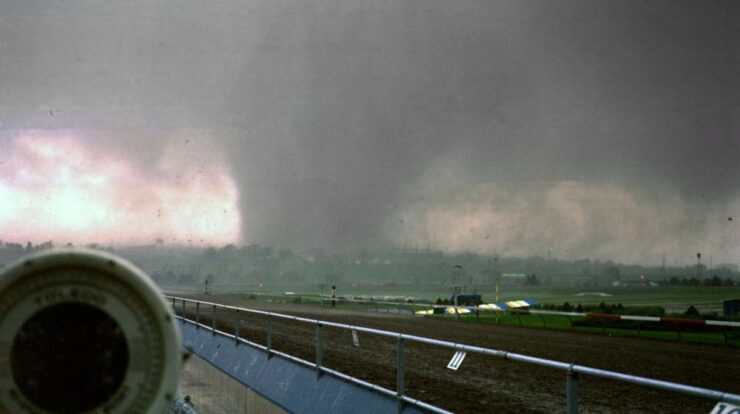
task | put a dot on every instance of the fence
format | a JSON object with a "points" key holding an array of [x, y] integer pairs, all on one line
{"points": [[572, 371]]}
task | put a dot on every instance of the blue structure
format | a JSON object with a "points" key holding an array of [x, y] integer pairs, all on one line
{"points": [[731, 307], [290, 385]]}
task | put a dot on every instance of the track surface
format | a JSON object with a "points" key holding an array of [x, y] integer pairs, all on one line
{"points": [[487, 384]]}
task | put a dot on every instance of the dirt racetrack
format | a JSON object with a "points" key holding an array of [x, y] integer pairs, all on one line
{"points": [[486, 384]]}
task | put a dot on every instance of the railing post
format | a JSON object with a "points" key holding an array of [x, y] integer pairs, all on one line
{"points": [[174, 306], [400, 371], [237, 323], [213, 320], [197, 315], [269, 336], [319, 350], [571, 391], [183, 311]]}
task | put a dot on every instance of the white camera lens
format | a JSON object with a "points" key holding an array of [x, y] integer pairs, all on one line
{"points": [[82, 332]]}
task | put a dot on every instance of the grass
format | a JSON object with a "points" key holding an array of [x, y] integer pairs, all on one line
{"points": [[564, 324], [626, 295], [676, 297]]}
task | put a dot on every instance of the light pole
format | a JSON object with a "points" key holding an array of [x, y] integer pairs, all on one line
{"points": [[497, 278], [456, 286], [698, 266]]}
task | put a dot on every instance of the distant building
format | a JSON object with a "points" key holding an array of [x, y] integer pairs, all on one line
{"points": [[469, 299], [731, 307]]}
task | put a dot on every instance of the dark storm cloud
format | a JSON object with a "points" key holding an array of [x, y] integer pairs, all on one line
{"points": [[334, 113]]}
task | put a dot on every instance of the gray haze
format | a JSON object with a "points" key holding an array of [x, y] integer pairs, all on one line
{"points": [[588, 128]]}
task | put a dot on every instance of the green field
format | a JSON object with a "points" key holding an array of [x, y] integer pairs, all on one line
{"points": [[729, 337], [669, 296], [674, 299]]}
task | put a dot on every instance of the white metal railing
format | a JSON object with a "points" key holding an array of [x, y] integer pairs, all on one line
{"points": [[572, 370]]}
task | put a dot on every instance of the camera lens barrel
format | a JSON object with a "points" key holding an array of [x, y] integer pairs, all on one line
{"points": [[84, 331]]}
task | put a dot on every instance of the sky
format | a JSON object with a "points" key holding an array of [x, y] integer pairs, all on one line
{"points": [[580, 129]]}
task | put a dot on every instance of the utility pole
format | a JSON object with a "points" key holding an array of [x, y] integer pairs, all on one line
{"points": [[498, 287], [456, 287], [497, 278], [662, 269]]}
